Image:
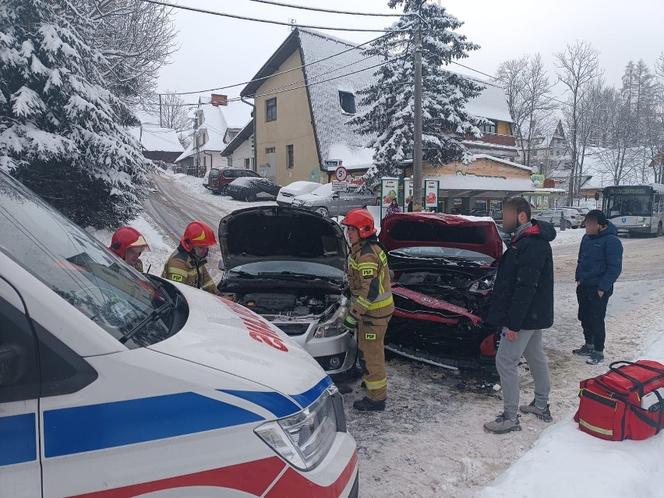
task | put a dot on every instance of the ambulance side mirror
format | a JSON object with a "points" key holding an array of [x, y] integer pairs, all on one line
{"points": [[10, 365]]}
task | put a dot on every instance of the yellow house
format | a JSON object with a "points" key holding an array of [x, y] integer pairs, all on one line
{"points": [[302, 113]]}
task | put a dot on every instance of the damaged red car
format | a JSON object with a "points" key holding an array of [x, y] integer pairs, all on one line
{"points": [[444, 269]]}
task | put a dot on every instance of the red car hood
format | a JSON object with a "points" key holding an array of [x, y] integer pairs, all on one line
{"points": [[441, 230]]}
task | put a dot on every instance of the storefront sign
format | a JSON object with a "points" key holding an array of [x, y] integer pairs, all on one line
{"points": [[389, 191], [431, 194]]}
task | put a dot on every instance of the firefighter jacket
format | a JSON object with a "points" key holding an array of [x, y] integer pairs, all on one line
{"points": [[183, 268], [369, 278]]}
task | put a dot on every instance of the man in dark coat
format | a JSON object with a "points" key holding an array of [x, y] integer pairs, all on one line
{"points": [[598, 268], [522, 305]]}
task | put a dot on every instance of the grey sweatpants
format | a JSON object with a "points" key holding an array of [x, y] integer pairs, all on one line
{"points": [[529, 345]]}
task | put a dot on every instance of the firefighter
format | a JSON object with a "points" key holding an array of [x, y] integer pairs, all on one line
{"points": [[371, 304], [187, 264], [128, 243]]}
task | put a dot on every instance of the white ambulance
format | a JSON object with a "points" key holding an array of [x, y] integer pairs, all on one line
{"points": [[115, 384]]}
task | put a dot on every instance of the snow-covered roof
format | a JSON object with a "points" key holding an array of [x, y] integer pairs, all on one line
{"points": [[217, 120], [482, 183], [335, 135], [351, 157], [490, 104], [502, 161], [155, 139], [244, 135]]}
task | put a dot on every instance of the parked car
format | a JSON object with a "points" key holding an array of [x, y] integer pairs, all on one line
{"points": [[253, 189], [324, 200], [572, 218], [289, 192], [137, 385], [219, 179], [288, 265], [444, 269]]}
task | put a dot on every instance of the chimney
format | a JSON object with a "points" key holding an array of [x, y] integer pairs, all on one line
{"points": [[218, 100]]}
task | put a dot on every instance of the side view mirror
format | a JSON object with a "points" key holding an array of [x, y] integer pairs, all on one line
{"points": [[10, 365], [335, 196]]}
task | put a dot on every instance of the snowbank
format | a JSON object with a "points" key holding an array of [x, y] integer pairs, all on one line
{"points": [[160, 245], [568, 237], [570, 463]]}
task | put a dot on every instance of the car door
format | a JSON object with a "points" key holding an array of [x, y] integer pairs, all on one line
{"points": [[20, 471]]}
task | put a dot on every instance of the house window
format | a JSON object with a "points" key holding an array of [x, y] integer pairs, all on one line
{"points": [[290, 157], [270, 150], [347, 101], [488, 127], [271, 109], [247, 163]]}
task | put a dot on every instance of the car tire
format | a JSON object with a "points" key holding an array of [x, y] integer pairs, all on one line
{"points": [[323, 212]]}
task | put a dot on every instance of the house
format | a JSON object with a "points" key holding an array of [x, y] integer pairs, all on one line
{"points": [[302, 114], [215, 124], [548, 152], [158, 144], [239, 152]]}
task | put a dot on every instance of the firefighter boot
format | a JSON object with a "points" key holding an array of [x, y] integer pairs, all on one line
{"points": [[368, 405]]}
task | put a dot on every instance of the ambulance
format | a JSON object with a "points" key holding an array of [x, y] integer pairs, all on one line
{"points": [[115, 384]]}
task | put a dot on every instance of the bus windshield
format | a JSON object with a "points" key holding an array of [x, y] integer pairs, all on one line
{"points": [[624, 204]]}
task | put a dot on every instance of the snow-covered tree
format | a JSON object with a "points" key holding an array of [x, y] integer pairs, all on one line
{"points": [[59, 125], [388, 104]]}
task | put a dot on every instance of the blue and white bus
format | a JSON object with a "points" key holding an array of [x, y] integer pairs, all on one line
{"points": [[636, 209]]}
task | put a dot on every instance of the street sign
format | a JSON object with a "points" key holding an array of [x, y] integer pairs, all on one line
{"points": [[339, 186], [341, 174]]}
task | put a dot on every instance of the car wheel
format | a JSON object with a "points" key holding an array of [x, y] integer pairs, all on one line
{"points": [[323, 211]]}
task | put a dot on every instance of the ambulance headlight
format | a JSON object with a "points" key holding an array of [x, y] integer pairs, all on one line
{"points": [[305, 438]]}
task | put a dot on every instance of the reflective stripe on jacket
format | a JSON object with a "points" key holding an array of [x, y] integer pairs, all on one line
{"points": [[369, 277], [181, 267]]}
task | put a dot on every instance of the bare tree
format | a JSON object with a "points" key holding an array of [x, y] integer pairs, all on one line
{"points": [[174, 114], [578, 71], [137, 39], [657, 149], [528, 97]]}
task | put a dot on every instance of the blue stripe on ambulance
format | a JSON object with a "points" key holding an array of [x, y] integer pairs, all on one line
{"points": [[107, 425], [17, 439], [274, 402], [308, 397]]}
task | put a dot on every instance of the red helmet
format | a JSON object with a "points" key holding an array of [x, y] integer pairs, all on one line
{"points": [[126, 237], [197, 234], [362, 220]]}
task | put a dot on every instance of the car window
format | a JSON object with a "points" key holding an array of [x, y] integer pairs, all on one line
{"points": [[230, 173], [77, 267]]}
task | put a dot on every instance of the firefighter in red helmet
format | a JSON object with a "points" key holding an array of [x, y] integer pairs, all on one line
{"points": [[128, 243], [187, 264], [371, 304]]}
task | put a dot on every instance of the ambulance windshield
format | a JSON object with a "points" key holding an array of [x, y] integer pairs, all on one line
{"points": [[80, 269]]}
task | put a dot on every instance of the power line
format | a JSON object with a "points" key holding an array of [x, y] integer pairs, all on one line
{"points": [[225, 87], [266, 21], [328, 11]]}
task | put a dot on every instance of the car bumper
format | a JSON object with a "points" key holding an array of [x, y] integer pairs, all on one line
{"points": [[336, 354]]}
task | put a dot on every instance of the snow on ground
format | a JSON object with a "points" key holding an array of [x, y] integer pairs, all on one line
{"points": [[570, 463], [568, 237], [161, 246]]}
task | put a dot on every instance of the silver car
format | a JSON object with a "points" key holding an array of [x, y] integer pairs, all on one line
{"points": [[289, 266], [570, 217], [328, 202]]}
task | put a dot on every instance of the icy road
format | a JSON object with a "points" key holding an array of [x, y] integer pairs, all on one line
{"points": [[429, 442]]}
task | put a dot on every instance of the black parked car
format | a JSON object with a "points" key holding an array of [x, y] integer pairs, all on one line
{"points": [[253, 189]]}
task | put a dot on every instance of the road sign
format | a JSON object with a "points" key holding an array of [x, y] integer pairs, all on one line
{"points": [[341, 173]]}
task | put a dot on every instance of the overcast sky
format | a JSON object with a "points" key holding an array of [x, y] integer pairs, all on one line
{"points": [[214, 51]]}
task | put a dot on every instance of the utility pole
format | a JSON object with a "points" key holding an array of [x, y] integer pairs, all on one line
{"points": [[417, 120], [161, 125]]}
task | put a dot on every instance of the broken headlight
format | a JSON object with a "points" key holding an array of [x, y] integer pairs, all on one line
{"points": [[332, 325]]}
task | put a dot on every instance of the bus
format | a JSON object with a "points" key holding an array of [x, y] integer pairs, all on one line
{"points": [[635, 209]]}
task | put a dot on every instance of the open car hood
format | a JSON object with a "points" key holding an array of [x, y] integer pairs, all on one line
{"points": [[403, 230], [274, 233]]}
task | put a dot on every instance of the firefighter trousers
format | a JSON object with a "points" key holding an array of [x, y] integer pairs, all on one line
{"points": [[371, 342]]}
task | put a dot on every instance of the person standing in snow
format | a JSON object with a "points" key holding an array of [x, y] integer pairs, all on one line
{"points": [[128, 244], [187, 265], [598, 268], [522, 305]]}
